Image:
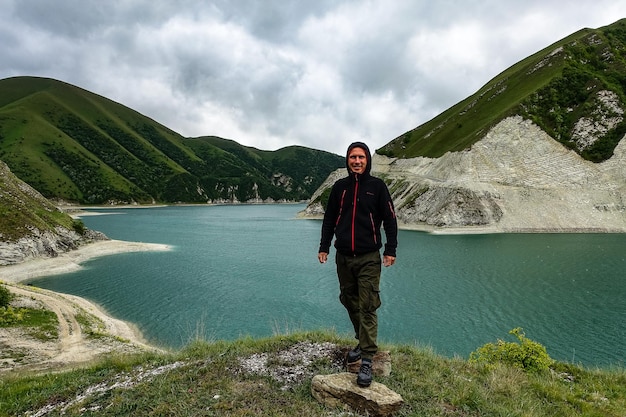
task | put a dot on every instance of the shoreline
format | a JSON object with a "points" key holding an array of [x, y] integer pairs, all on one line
{"points": [[79, 209], [486, 229], [14, 275], [71, 261]]}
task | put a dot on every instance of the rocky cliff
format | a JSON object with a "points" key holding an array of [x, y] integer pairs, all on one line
{"points": [[45, 244], [515, 179], [31, 226]]}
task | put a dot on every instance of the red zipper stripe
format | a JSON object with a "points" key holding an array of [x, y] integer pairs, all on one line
{"points": [[373, 228], [393, 213], [356, 190], [343, 195]]}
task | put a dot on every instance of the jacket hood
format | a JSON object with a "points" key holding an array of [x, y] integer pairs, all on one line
{"points": [[363, 146]]}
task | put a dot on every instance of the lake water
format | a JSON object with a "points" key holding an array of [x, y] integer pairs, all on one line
{"points": [[252, 270]]}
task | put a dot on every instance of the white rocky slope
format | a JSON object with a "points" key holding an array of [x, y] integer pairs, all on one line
{"points": [[515, 179]]}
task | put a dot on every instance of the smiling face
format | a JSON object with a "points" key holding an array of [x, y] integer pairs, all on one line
{"points": [[357, 160]]}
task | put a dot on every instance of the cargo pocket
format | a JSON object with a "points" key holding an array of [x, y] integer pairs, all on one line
{"points": [[374, 297]]}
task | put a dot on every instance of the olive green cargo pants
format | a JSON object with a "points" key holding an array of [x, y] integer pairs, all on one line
{"points": [[359, 286]]}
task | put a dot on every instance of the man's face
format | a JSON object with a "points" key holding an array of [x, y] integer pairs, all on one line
{"points": [[357, 160]]}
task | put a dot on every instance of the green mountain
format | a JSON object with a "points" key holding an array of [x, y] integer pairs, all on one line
{"points": [[73, 145], [555, 88]]}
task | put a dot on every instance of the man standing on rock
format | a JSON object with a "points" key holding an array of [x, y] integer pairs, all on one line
{"points": [[357, 207]]}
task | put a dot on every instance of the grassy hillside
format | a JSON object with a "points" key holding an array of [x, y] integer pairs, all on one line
{"points": [[293, 168], [272, 377], [22, 210], [77, 146], [555, 88]]}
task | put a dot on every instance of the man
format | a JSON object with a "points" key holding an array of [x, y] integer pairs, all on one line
{"points": [[357, 207]]}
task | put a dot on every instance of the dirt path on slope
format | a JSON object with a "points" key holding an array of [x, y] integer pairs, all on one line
{"points": [[76, 343]]}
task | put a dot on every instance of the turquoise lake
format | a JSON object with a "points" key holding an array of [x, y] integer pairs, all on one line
{"points": [[252, 270]]}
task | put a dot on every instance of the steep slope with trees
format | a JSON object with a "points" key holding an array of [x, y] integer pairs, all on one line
{"points": [[574, 90], [73, 145], [31, 226]]}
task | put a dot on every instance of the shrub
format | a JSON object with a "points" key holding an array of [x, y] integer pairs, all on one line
{"points": [[10, 315], [79, 227], [324, 197], [527, 354], [5, 296]]}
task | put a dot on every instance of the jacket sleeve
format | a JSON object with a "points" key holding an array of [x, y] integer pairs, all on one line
{"points": [[328, 223], [390, 223]]}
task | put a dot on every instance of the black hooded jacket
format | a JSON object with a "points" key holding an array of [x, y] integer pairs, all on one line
{"points": [[357, 207]]}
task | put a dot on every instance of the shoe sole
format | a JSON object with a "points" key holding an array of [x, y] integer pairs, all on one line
{"points": [[363, 385]]}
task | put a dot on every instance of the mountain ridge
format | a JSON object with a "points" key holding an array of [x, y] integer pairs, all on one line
{"points": [[542, 156], [77, 146], [555, 87]]}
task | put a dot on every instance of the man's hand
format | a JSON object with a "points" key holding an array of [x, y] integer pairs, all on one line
{"points": [[323, 257], [388, 260]]}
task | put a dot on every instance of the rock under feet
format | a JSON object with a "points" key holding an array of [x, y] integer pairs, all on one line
{"points": [[341, 391]]}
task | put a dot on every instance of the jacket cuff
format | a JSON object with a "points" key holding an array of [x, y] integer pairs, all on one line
{"points": [[389, 252]]}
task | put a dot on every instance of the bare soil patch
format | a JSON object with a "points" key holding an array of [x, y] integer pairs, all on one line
{"points": [[85, 332]]}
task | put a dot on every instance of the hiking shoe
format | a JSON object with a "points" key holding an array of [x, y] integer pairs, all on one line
{"points": [[364, 378], [354, 355]]}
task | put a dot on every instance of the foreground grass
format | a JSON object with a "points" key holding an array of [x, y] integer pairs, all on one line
{"points": [[224, 379], [38, 323]]}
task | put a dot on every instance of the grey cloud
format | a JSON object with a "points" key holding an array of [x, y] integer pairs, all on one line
{"points": [[273, 20], [71, 18], [378, 67], [257, 84], [278, 72]]}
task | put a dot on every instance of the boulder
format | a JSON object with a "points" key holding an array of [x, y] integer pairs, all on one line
{"points": [[341, 391]]}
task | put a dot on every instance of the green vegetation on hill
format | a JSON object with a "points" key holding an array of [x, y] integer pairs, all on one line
{"points": [[295, 170], [23, 210], [74, 145], [554, 88], [272, 377]]}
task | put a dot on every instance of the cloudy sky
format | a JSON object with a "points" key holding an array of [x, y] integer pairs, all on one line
{"points": [[272, 73]]}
